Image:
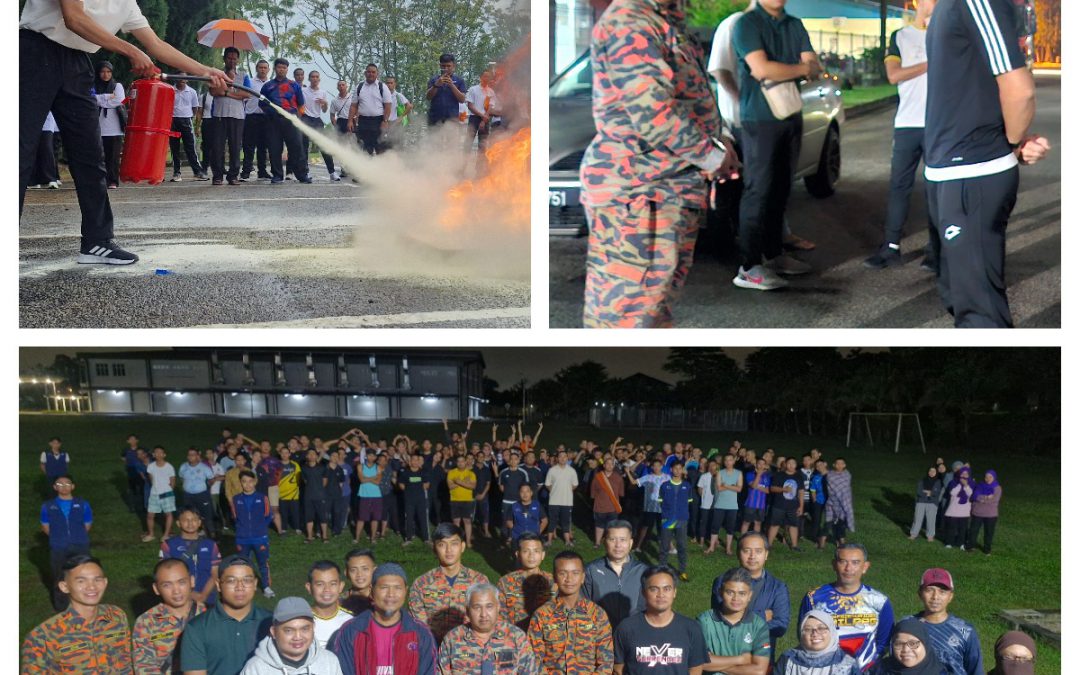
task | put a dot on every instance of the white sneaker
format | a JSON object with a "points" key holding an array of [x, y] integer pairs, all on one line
{"points": [[335, 177], [268, 592], [54, 185], [786, 264], [759, 278], [175, 178]]}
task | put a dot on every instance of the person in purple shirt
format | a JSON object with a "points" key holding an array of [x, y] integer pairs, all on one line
{"points": [[280, 132]]}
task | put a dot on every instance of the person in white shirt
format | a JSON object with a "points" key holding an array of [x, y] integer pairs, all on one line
{"points": [[561, 481], [62, 34], [339, 116], [369, 115], [255, 146], [205, 125], [483, 107], [324, 586], [399, 114], [316, 102], [162, 477], [111, 120], [905, 66], [185, 103], [45, 173]]}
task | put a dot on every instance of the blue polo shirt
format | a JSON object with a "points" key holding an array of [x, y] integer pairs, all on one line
{"points": [[968, 44], [195, 477], [526, 518], [67, 520], [783, 39], [201, 556], [444, 106]]}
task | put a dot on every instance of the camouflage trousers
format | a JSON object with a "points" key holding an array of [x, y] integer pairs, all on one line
{"points": [[639, 257]]}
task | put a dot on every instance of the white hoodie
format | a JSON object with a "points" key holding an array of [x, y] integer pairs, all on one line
{"points": [[267, 661]]}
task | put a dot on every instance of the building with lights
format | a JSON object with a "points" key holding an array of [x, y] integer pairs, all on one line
{"points": [[361, 384]]}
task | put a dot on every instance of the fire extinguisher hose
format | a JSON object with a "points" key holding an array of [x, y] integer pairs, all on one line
{"points": [[197, 78]]}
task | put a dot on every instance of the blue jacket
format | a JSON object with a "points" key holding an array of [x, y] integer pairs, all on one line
{"points": [[67, 531], [768, 593], [252, 515], [675, 501]]}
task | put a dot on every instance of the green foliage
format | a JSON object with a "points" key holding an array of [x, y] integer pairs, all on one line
{"points": [[709, 13]]}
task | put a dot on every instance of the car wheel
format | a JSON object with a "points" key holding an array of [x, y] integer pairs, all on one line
{"points": [[823, 182]]}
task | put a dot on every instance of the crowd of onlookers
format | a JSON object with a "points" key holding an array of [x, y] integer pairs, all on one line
{"points": [[614, 614]]}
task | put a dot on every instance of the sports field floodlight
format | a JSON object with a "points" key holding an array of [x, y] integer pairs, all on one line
{"points": [[867, 417]]}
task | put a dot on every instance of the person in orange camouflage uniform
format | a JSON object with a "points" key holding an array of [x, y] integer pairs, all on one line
{"points": [[571, 635], [488, 643], [157, 631], [87, 637], [526, 589], [434, 599], [645, 175]]}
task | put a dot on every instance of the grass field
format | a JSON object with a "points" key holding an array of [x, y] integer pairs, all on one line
{"points": [[1024, 572], [861, 95]]}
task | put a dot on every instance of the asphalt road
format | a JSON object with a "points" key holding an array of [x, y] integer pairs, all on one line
{"points": [[244, 256], [847, 228]]}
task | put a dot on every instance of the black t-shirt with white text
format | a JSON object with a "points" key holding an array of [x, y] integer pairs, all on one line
{"points": [[647, 650]]}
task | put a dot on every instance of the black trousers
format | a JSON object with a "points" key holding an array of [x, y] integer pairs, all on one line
{"points": [[678, 533], [416, 521], [290, 514], [201, 503], [209, 126], [187, 139], [316, 123], [255, 143], [57, 556], [339, 513], [368, 130], [280, 135], [59, 79], [907, 152], [770, 154], [978, 522], [970, 215], [955, 531], [230, 130], [45, 170]]}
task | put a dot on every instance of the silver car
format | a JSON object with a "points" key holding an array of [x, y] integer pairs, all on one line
{"points": [[572, 130]]}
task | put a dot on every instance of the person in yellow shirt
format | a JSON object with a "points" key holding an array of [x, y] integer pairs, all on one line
{"points": [[462, 482], [289, 491]]}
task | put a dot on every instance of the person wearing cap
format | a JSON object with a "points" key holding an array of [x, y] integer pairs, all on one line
{"points": [[863, 615], [385, 639], [87, 637], [953, 639], [221, 640], [487, 643], [324, 585], [63, 34], [157, 631], [437, 597], [1014, 654], [291, 647]]}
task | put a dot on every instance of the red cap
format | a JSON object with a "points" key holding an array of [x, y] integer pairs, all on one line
{"points": [[935, 576]]}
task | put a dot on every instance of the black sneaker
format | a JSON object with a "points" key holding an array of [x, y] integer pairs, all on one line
{"points": [[307, 180], [105, 253], [245, 175], [202, 176], [885, 257], [265, 176], [928, 264], [277, 181]]}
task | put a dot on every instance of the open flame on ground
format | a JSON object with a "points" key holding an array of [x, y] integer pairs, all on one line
{"points": [[501, 195]]}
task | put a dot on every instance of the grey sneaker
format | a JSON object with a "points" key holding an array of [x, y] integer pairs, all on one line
{"points": [[759, 278], [268, 592], [885, 257], [786, 264]]}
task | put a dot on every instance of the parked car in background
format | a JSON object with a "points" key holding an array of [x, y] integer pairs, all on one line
{"points": [[572, 129]]}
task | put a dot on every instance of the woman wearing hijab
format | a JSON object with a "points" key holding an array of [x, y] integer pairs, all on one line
{"points": [[819, 650], [111, 119], [959, 509], [984, 511], [1014, 654], [927, 495], [910, 653]]}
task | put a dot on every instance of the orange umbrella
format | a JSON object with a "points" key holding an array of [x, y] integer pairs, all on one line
{"points": [[233, 33]]}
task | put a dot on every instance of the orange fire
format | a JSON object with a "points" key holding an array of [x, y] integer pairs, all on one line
{"points": [[501, 195]]}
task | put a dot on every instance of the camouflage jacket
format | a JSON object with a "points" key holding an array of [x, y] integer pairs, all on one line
{"points": [[433, 601], [155, 638], [655, 114], [522, 595], [508, 650], [573, 640], [66, 643]]}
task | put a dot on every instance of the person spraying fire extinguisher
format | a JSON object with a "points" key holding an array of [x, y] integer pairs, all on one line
{"points": [[55, 39]]}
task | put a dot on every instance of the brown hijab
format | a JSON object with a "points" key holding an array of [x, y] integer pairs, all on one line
{"points": [[1004, 667]]}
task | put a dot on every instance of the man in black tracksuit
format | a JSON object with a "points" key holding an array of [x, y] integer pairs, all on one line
{"points": [[980, 101]]}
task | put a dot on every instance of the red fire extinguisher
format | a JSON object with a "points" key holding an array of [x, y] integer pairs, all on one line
{"points": [[146, 140]]}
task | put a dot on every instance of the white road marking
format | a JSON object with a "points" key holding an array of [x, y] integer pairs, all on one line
{"points": [[387, 320]]}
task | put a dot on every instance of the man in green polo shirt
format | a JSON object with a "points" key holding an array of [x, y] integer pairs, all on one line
{"points": [[221, 640], [771, 46], [737, 638]]}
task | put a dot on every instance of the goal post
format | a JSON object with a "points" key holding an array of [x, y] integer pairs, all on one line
{"points": [[864, 418]]}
